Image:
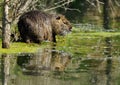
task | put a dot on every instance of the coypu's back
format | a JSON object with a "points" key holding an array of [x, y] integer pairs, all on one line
{"points": [[35, 15]]}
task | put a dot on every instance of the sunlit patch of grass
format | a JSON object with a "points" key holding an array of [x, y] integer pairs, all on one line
{"points": [[100, 34], [20, 47], [78, 32]]}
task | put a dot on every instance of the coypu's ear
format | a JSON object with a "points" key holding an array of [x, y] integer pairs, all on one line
{"points": [[58, 18]]}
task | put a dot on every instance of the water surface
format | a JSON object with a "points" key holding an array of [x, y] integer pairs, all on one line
{"points": [[82, 60]]}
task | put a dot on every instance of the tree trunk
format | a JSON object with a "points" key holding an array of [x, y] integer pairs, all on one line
{"points": [[5, 26], [106, 15]]}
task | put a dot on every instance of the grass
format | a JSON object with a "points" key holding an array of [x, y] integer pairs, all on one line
{"points": [[20, 47], [83, 42], [77, 31], [104, 34]]}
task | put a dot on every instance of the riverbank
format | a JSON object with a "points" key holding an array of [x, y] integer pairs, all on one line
{"points": [[21, 47]]}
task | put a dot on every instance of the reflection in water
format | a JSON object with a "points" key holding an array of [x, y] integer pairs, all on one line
{"points": [[100, 69], [108, 47], [5, 69], [109, 61], [99, 78], [53, 67], [44, 59]]}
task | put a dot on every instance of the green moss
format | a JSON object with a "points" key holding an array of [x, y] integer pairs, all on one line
{"points": [[21, 47], [75, 42]]}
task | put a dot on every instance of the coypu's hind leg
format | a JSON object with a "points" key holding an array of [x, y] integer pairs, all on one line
{"points": [[54, 38]]}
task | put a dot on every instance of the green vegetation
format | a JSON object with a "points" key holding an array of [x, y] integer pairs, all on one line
{"points": [[18, 47], [21, 47], [83, 43], [73, 42]]}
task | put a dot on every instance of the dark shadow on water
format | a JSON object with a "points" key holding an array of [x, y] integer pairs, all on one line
{"points": [[46, 59]]}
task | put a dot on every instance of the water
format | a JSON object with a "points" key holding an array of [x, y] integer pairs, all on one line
{"points": [[77, 60]]}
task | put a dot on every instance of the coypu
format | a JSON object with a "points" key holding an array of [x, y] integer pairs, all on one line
{"points": [[36, 26]]}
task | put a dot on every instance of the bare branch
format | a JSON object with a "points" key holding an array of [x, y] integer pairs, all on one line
{"points": [[66, 8], [98, 6], [112, 9], [117, 3], [20, 6], [91, 3], [59, 2], [57, 5]]}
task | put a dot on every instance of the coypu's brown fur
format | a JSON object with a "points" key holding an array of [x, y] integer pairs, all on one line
{"points": [[36, 26]]}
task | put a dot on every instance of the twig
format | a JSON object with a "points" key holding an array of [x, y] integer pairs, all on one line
{"points": [[71, 9], [63, 4], [117, 3], [91, 3]]}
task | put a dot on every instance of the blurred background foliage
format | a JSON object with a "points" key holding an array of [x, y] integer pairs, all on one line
{"points": [[84, 14]]}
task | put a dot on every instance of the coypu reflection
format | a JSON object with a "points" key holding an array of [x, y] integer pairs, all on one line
{"points": [[44, 60], [60, 60]]}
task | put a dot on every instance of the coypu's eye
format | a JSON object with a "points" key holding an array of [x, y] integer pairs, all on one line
{"points": [[58, 17]]}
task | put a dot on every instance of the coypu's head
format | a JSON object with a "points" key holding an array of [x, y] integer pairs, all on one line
{"points": [[61, 25]]}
